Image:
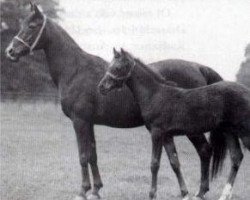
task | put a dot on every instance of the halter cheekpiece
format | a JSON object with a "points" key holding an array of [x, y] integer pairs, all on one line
{"points": [[31, 47]]}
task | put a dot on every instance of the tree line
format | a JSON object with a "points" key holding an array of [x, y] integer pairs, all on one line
{"points": [[29, 78]]}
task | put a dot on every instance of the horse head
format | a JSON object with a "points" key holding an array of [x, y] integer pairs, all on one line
{"points": [[118, 72], [29, 37]]}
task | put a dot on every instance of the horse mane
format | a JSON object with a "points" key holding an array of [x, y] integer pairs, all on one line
{"points": [[153, 74]]}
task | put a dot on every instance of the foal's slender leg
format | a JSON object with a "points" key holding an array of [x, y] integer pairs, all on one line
{"points": [[155, 162], [94, 168], [204, 150], [87, 153], [169, 146], [236, 158]]}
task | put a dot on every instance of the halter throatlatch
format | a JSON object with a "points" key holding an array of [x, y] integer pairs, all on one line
{"points": [[122, 77], [31, 47]]}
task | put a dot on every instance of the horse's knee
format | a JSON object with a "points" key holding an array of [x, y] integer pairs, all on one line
{"points": [[90, 157], [155, 165], [83, 160]]}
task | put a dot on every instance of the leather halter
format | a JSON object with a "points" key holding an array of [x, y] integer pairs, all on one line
{"points": [[122, 77], [31, 47]]}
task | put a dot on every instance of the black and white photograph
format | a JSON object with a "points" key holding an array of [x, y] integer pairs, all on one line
{"points": [[125, 100]]}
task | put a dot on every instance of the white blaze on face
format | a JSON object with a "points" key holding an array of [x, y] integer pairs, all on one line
{"points": [[227, 192]]}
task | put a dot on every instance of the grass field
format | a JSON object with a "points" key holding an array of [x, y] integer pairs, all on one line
{"points": [[39, 160]]}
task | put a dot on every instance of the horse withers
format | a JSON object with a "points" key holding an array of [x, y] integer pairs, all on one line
{"points": [[77, 73], [222, 108]]}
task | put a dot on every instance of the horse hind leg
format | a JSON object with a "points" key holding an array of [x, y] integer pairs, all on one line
{"points": [[204, 150], [236, 158]]}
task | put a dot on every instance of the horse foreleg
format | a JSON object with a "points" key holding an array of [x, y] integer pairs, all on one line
{"points": [[97, 185], [204, 150], [155, 162], [169, 146], [85, 134], [236, 158]]}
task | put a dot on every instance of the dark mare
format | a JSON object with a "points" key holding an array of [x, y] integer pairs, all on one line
{"points": [[222, 108], [77, 74]]}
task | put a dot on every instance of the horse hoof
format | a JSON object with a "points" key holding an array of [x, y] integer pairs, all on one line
{"points": [[197, 198], [227, 192], [225, 197], [152, 195], [80, 198], [93, 197], [186, 197]]}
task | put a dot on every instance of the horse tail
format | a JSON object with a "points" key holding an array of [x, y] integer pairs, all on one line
{"points": [[210, 75], [219, 149]]}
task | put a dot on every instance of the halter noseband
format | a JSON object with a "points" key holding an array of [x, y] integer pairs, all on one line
{"points": [[122, 77], [31, 47]]}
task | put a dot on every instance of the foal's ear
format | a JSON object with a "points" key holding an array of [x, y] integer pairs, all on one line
{"points": [[116, 53], [127, 55], [31, 6], [123, 52], [38, 13]]}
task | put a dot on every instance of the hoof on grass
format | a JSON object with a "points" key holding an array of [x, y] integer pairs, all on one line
{"points": [[152, 195], [186, 197], [93, 197], [197, 198], [80, 198]]}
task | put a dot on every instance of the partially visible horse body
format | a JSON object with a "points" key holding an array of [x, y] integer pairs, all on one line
{"points": [[77, 74], [222, 108]]}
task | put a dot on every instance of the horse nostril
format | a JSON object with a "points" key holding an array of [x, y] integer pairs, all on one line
{"points": [[11, 51]]}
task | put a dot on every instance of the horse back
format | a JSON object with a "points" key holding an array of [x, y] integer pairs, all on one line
{"points": [[185, 73]]}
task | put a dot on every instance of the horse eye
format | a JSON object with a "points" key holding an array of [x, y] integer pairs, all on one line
{"points": [[32, 25]]}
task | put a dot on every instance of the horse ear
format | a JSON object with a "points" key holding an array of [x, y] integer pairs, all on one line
{"points": [[31, 6], [123, 52], [37, 11], [116, 53]]}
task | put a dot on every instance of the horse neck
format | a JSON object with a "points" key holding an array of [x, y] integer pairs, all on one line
{"points": [[143, 84], [63, 55]]}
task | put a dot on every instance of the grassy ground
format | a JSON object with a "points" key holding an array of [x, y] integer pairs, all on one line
{"points": [[39, 160]]}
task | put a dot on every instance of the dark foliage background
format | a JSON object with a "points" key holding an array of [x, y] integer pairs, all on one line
{"points": [[28, 79], [243, 75]]}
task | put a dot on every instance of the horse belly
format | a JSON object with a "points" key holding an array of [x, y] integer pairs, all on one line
{"points": [[118, 109]]}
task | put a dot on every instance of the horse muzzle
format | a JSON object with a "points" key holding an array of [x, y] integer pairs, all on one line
{"points": [[103, 90], [11, 54]]}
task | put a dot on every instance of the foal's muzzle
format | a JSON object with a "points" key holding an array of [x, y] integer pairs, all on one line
{"points": [[103, 90], [11, 54]]}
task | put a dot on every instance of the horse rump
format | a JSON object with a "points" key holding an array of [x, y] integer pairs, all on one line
{"points": [[210, 75]]}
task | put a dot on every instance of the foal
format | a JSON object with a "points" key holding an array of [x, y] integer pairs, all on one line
{"points": [[222, 108]]}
